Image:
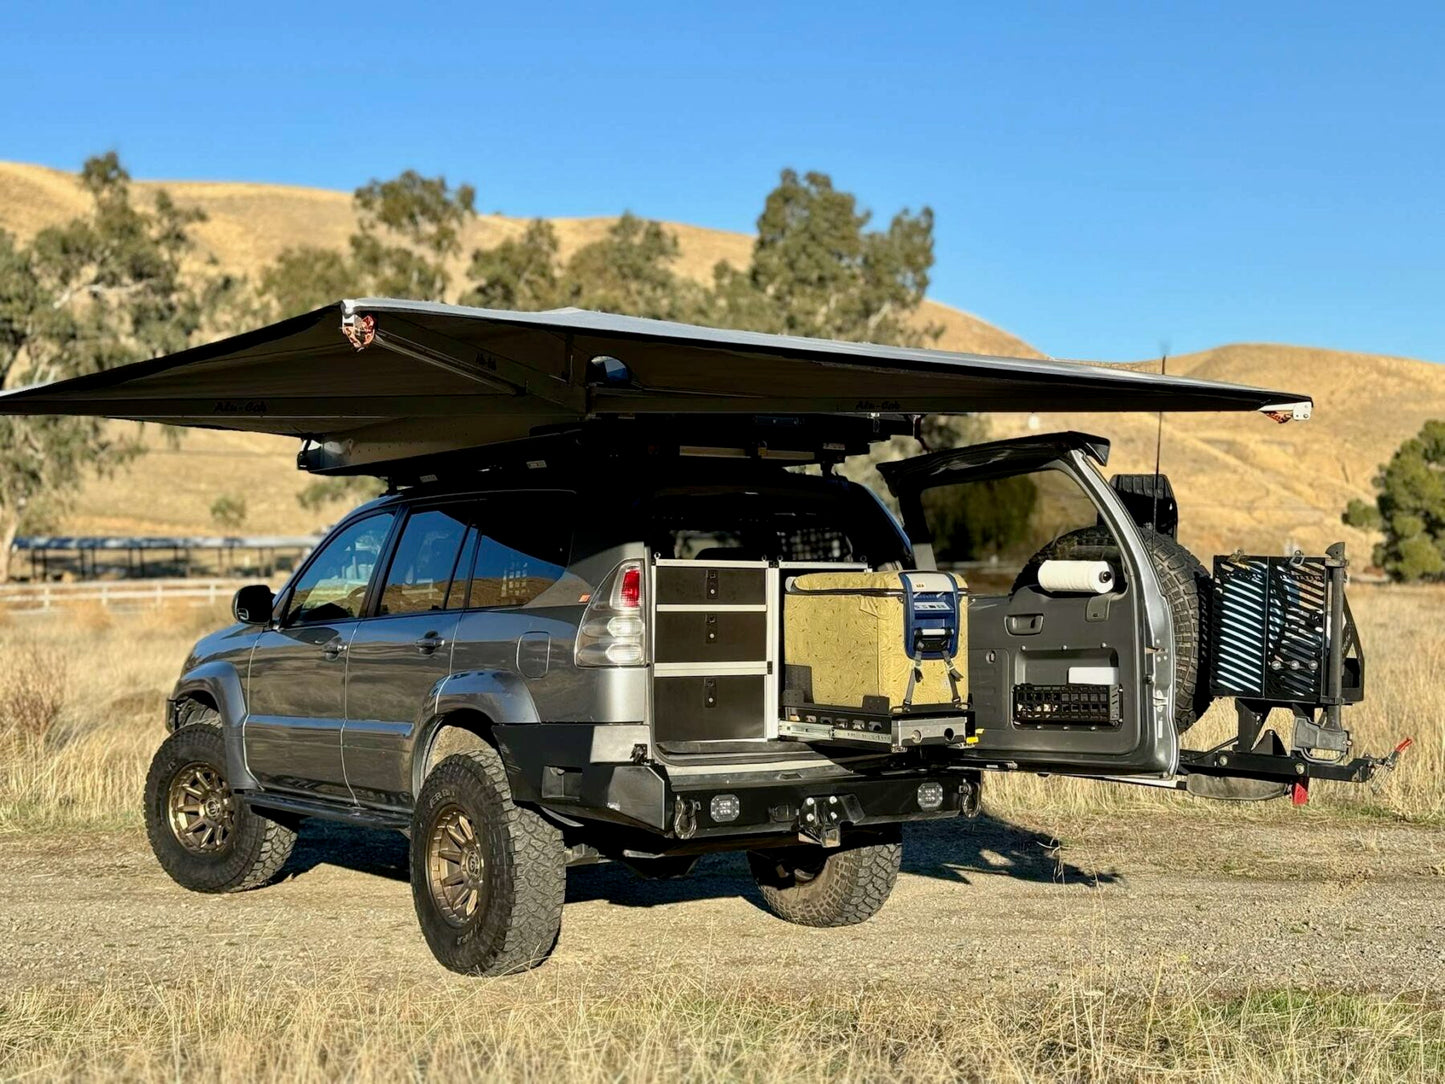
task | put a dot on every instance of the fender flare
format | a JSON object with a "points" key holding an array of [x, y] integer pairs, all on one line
{"points": [[222, 684], [499, 696]]}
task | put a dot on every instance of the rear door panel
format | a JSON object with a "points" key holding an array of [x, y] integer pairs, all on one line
{"points": [[1037, 658]]}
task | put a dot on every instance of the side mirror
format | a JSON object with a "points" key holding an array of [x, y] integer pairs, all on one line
{"points": [[253, 604]]}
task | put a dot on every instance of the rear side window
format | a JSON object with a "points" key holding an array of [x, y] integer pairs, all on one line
{"points": [[993, 528], [519, 550], [771, 526], [420, 576]]}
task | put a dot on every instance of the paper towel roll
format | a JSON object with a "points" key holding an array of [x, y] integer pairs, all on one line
{"points": [[1076, 577]]}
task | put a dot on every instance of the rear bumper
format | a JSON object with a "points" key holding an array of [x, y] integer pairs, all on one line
{"points": [[642, 796], [811, 810]]}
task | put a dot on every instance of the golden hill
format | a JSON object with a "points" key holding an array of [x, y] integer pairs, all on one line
{"points": [[248, 225], [1242, 481]]}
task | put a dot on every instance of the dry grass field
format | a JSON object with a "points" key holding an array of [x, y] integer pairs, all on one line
{"points": [[1087, 931]]}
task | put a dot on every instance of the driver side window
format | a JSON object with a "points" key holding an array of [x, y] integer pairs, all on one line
{"points": [[333, 586]]}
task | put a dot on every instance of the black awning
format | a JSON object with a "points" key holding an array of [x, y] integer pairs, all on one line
{"points": [[384, 379]]}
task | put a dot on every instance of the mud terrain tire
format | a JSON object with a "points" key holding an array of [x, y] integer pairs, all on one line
{"points": [[487, 877], [202, 835], [813, 887], [1188, 592]]}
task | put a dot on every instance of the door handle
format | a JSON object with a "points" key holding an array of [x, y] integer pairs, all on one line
{"points": [[1025, 624], [429, 643], [334, 648]]}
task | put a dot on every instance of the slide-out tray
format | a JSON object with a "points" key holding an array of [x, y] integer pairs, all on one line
{"points": [[825, 725]]}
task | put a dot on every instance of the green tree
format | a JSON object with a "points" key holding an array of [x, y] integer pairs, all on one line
{"points": [[351, 489], [409, 227], [817, 270], [1409, 508], [305, 278], [229, 511], [629, 271], [101, 290], [408, 231], [521, 273]]}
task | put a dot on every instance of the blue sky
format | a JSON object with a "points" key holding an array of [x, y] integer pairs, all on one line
{"points": [[1108, 178]]}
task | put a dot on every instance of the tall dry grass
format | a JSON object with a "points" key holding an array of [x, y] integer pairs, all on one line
{"points": [[247, 1024], [82, 701]]}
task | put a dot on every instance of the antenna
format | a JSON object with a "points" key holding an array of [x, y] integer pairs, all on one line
{"points": [[1158, 442]]}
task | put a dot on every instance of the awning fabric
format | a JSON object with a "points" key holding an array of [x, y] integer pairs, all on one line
{"points": [[385, 378]]}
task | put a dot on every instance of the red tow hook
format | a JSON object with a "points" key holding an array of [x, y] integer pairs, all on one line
{"points": [[1299, 792]]}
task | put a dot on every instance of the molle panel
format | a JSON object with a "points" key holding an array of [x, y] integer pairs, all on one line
{"points": [[704, 636], [702, 708], [989, 686], [703, 585]]}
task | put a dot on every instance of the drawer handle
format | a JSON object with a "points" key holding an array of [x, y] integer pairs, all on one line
{"points": [[711, 636], [712, 583], [709, 692]]}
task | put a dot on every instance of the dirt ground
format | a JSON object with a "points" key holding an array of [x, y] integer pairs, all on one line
{"points": [[1215, 903]]}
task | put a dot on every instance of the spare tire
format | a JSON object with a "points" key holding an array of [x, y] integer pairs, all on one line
{"points": [[1188, 592]]}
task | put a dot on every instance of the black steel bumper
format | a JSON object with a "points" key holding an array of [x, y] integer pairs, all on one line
{"points": [[641, 796]]}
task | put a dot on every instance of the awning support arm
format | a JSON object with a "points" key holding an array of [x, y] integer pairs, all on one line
{"points": [[489, 369]]}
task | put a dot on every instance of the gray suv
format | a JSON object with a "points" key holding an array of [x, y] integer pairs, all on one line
{"points": [[577, 651]]}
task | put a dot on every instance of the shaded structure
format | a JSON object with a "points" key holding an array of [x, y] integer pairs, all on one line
{"points": [[46, 557]]}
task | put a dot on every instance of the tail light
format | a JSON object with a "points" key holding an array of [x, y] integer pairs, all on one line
{"points": [[614, 625]]}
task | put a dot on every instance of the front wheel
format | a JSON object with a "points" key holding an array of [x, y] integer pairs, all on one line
{"points": [[815, 887], [487, 877], [201, 833]]}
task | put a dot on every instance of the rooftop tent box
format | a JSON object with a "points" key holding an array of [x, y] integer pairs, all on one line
{"points": [[876, 641]]}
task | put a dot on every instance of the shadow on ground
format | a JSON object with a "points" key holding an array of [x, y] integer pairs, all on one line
{"points": [[954, 850], [365, 850]]}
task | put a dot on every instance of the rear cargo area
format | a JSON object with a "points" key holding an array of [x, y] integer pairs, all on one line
{"points": [[818, 653]]}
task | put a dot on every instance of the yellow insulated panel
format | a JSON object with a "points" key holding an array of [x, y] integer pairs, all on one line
{"points": [[853, 643]]}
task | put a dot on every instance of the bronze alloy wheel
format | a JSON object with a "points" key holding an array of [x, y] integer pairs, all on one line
{"points": [[456, 867], [202, 810]]}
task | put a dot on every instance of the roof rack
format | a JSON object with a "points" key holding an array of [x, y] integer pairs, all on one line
{"points": [[773, 439]]}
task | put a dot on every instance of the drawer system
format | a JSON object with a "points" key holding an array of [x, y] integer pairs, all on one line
{"points": [[717, 666], [714, 655]]}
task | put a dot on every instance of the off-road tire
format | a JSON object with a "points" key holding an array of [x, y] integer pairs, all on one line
{"points": [[813, 887], [519, 915], [1188, 592], [256, 847]]}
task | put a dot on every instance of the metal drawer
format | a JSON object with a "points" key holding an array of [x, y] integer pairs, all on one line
{"points": [[709, 708], [711, 636], [702, 585]]}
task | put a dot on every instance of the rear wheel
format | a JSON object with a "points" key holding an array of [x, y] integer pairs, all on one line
{"points": [[487, 876], [201, 833], [1188, 592], [815, 887]]}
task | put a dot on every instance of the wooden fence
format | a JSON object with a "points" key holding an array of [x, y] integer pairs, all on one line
{"points": [[118, 594]]}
